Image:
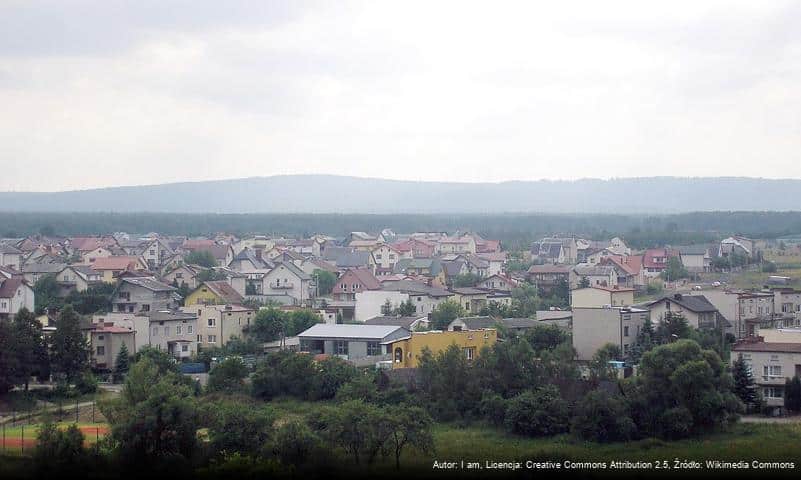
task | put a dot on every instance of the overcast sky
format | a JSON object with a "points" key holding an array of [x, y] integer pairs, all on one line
{"points": [[103, 92]]}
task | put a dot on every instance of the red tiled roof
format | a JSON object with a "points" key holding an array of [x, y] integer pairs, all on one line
{"points": [[777, 347], [115, 263], [651, 253], [631, 264]]}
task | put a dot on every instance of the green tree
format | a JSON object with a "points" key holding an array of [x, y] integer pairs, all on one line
{"points": [[744, 386], [546, 337], [228, 376], [210, 274], [386, 308], [600, 417], [237, 427], [70, 350], [681, 390], [674, 326], [769, 267], [447, 383], [30, 347], [204, 258], [792, 394], [9, 372], [59, 451], [325, 281], [466, 280], [644, 341], [409, 426], [675, 270], [155, 418], [599, 365], [46, 294], [445, 313], [541, 412], [295, 443], [121, 363], [406, 309], [584, 282]]}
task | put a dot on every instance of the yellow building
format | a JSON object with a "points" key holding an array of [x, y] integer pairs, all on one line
{"points": [[405, 350], [217, 292]]}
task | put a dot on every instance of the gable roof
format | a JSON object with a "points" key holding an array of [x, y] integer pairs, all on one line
{"points": [[477, 323], [410, 286], [294, 269], [149, 283], [115, 262], [352, 259], [776, 347], [224, 290], [9, 286], [7, 249], [534, 269], [43, 267], [693, 303], [365, 277]]}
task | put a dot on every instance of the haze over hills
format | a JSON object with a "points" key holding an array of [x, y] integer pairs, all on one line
{"points": [[340, 194]]}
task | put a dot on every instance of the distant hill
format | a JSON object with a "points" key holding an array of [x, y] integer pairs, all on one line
{"points": [[339, 194]]}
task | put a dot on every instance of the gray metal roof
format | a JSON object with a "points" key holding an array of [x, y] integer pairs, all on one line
{"points": [[349, 331]]}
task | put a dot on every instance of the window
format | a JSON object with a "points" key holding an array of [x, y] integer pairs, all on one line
{"points": [[155, 331], [340, 347], [626, 331], [771, 371], [212, 338], [189, 329], [179, 330], [101, 337], [373, 348], [212, 322], [184, 347], [101, 351], [166, 331], [773, 392], [469, 352], [200, 339]]}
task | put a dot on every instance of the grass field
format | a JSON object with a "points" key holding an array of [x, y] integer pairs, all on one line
{"points": [[22, 438]]}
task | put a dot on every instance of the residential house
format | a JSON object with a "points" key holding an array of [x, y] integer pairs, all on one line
{"points": [[471, 299], [497, 283], [496, 261], [100, 251], [406, 350], [772, 363], [737, 245], [371, 303], [594, 275], [629, 270], [312, 264], [353, 281], [595, 327], [218, 324], [183, 274], [15, 294], [111, 267], [106, 341], [156, 252], [549, 277], [33, 272], [548, 252], [173, 332], [11, 256], [699, 312], [655, 261], [78, 278], [364, 344], [214, 292], [424, 297], [287, 279], [513, 326], [695, 258], [250, 260], [560, 318], [464, 244], [383, 259], [597, 297], [143, 294], [409, 323]]}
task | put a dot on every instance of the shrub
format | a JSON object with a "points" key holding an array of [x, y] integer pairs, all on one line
{"points": [[541, 412], [600, 417], [493, 408], [295, 443]]}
